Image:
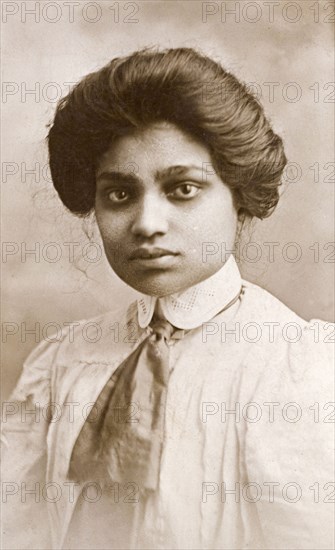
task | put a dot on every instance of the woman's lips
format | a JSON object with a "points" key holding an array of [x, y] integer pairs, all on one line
{"points": [[154, 257], [151, 253]]}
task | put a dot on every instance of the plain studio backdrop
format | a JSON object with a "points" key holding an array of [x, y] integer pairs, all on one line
{"points": [[52, 275]]}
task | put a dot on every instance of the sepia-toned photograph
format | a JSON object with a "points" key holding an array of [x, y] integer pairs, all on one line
{"points": [[167, 254]]}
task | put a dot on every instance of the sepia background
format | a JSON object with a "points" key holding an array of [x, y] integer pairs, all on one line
{"points": [[282, 49]]}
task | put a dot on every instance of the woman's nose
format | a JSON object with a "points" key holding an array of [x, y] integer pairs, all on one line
{"points": [[151, 217]]}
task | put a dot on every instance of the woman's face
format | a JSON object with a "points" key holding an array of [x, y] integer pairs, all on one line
{"points": [[161, 209]]}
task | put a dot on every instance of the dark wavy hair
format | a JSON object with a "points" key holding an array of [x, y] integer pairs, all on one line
{"points": [[180, 86]]}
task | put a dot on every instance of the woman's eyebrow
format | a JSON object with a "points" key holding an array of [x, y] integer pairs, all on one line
{"points": [[178, 170], [164, 173], [122, 177]]}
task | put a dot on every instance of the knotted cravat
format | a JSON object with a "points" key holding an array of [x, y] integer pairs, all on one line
{"points": [[122, 437]]}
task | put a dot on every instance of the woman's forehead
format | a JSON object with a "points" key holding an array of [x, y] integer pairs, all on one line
{"points": [[159, 145]]}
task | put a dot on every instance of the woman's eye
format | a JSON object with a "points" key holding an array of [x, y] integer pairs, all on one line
{"points": [[118, 195], [185, 191]]}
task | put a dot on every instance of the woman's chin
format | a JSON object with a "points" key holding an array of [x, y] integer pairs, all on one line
{"points": [[156, 283], [166, 281]]}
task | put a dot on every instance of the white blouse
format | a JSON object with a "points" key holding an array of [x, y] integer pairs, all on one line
{"points": [[247, 458]]}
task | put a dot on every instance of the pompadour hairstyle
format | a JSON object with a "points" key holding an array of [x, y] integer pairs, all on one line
{"points": [[180, 86]]}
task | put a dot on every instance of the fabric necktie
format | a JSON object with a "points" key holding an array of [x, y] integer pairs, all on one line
{"points": [[122, 437]]}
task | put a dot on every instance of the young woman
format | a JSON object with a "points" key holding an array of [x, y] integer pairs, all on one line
{"points": [[200, 418]]}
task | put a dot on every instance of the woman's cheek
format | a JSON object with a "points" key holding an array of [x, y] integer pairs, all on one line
{"points": [[110, 228]]}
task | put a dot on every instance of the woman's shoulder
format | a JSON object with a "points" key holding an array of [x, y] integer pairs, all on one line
{"points": [[292, 358], [266, 304], [89, 340], [264, 307], [97, 339], [286, 351]]}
